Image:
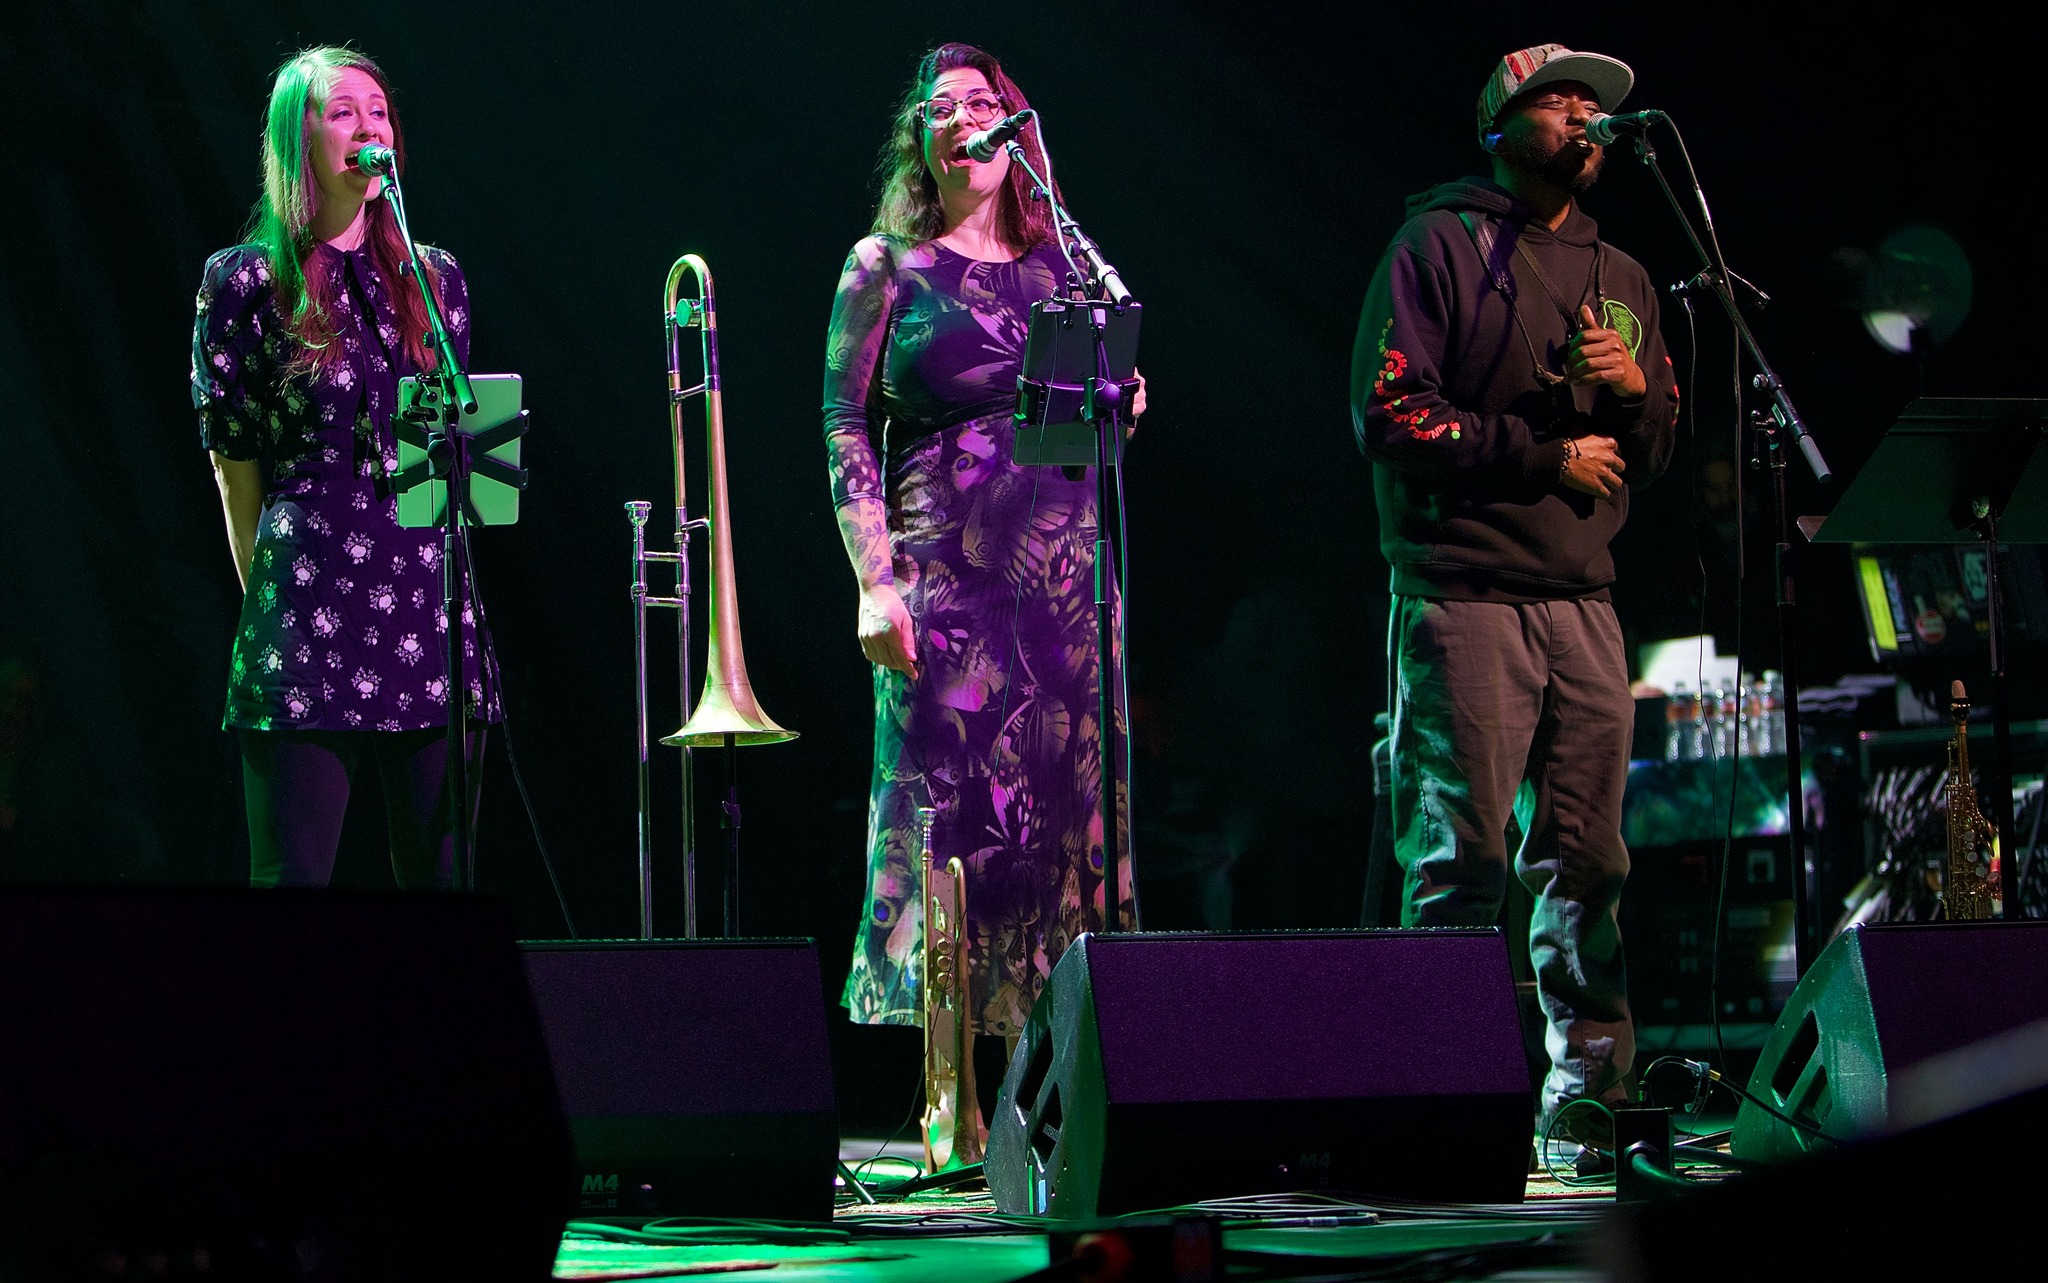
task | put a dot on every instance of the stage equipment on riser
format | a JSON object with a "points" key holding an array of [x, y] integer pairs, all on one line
{"points": [[726, 715], [1162, 1068], [696, 1074]]}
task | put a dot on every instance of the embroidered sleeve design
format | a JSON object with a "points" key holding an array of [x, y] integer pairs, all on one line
{"points": [[1393, 365]]}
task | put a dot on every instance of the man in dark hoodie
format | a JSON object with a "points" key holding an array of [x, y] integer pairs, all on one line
{"points": [[1510, 386]]}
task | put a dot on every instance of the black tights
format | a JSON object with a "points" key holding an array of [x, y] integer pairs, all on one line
{"points": [[296, 787]]}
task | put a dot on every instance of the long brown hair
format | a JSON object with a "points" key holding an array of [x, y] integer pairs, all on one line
{"points": [[282, 222], [909, 208]]}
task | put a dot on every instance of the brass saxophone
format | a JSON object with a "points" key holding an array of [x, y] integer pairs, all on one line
{"points": [[1967, 893], [954, 1135]]}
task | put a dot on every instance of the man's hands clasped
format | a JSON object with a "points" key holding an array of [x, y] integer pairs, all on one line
{"points": [[1597, 357]]}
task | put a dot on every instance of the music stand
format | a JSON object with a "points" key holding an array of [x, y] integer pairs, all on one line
{"points": [[1960, 470], [1063, 357], [444, 446], [1077, 376]]}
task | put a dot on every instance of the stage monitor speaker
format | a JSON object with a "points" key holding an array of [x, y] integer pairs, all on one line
{"points": [[696, 1075], [1158, 1069], [1878, 1000], [1947, 1191], [273, 1084]]}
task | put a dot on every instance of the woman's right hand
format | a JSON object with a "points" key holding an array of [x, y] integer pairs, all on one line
{"points": [[884, 627]]}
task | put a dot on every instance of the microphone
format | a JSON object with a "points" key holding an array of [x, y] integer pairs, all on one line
{"points": [[378, 161], [1603, 129], [984, 145]]}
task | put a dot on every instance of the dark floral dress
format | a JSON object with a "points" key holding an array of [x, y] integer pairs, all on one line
{"points": [[342, 626], [995, 562]]}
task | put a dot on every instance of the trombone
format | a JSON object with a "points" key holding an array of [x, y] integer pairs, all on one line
{"points": [[726, 714]]}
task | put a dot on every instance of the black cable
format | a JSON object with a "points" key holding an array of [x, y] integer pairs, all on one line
{"points": [[709, 1232], [916, 1104], [1773, 1111], [926, 1182], [1705, 1076], [1642, 1163], [1720, 914], [486, 664], [1550, 1132], [1718, 265], [1542, 1254], [1120, 816]]}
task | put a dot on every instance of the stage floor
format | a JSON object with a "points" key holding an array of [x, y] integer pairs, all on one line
{"points": [[1559, 1232]]}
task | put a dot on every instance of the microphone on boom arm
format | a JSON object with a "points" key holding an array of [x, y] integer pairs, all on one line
{"points": [[984, 144], [375, 159], [1604, 129]]}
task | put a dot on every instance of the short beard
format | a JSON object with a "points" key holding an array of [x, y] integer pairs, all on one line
{"points": [[1565, 167]]}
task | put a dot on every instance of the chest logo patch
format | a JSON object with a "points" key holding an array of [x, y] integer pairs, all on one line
{"points": [[1614, 315]]}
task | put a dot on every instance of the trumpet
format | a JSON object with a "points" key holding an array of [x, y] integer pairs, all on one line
{"points": [[954, 1135], [726, 713]]}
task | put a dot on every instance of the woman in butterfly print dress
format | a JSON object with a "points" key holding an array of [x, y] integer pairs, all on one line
{"points": [[301, 337], [975, 574]]}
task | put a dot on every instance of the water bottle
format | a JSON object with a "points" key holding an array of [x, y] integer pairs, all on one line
{"points": [[1774, 710], [1755, 741], [1681, 709]]}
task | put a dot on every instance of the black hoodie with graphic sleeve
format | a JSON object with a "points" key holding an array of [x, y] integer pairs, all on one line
{"points": [[1466, 438]]}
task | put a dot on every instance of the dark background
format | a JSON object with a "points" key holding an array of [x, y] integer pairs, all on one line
{"points": [[1242, 165]]}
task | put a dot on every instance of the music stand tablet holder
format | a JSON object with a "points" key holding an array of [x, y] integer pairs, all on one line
{"points": [[1959, 470], [490, 439], [1060, 358]]}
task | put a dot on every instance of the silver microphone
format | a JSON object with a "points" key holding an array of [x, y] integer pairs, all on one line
{"points": [[984, 145], [375, 159], [1602, 129]]}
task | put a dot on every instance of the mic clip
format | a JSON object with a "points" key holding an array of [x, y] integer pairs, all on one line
{"points": [[1709, 279]]}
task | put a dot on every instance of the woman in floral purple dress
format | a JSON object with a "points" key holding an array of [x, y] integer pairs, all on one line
{"points": [[975, 574], [301, 338]]}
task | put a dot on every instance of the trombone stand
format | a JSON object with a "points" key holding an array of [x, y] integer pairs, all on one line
{"points": [[637, 511], [729, 820], [1102, 409]]}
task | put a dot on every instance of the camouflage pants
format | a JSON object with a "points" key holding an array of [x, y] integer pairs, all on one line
{"points": [[1523, 710]]}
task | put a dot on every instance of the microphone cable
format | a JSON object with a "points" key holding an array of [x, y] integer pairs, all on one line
{"points": [[487, 664]]}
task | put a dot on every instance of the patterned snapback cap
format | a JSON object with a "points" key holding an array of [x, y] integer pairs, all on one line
{"points": [[1525, 69]]}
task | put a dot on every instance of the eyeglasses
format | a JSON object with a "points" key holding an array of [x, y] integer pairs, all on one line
{"points": [[980, 109]]}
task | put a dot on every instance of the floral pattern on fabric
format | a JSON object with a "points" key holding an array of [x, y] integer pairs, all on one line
{"points": [[1394, 365], [995, 562], [342, 625]]}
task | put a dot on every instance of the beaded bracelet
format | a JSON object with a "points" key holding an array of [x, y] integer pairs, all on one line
{"points": [[1571, 452]]}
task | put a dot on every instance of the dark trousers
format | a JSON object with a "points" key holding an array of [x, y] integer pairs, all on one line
{"points": [[295, 785], [1522, 710]]}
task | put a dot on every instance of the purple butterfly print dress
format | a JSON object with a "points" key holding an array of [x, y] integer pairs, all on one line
{"points": [[342, 626], [995, 562]]}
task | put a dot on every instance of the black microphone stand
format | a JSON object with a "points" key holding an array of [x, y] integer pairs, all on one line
{"points": [[1773, 426], [1103, 409], [444, 394]]}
